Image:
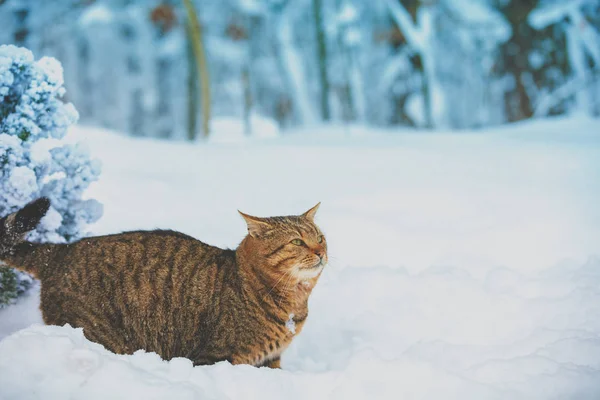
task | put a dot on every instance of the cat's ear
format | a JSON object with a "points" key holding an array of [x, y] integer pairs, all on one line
{"points": [[256, 226], [310, 214]]}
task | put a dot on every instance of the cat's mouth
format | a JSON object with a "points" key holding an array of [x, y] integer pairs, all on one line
{"points": [[317, 265], [309, 272]]}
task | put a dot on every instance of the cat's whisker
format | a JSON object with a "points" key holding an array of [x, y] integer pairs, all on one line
{"points": [[276, 283], [288, 282], [279, 280]]}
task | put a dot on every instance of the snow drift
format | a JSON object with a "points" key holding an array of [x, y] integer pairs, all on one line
{"points": [[463, 266]]}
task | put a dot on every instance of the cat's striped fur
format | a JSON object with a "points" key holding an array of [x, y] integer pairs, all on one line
{"points": [[167, 292]]}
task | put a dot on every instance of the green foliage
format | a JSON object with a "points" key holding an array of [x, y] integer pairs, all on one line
{"points": [[12, 285], [24, 135], [8, 286]]}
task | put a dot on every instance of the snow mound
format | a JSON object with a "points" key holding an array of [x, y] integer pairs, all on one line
{"points": [[373, 333], [66, 365]]}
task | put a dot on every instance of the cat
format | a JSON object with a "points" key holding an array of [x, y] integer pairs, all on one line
{"points": [[166, 292]]}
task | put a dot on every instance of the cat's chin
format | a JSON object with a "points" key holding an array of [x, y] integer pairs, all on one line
{"points": [[310, 272]]}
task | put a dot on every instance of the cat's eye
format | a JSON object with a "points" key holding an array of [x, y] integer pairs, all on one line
{"points": [[297, 242], [320, 239]]}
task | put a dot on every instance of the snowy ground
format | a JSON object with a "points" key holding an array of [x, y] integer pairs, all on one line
{"points": [[462, 266]]}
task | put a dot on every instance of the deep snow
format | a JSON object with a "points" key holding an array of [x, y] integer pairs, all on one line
{"points": [[462, 265]]}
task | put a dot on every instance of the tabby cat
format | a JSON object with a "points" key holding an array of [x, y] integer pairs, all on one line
{"points": [[169, 293]]}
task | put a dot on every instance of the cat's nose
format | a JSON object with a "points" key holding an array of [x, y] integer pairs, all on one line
{"points": [[320, 253]]}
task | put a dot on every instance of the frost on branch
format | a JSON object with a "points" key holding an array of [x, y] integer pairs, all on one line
{"points": [[31, 110]]}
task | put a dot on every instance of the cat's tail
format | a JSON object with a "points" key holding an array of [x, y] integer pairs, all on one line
{"points": [[15, 226]]}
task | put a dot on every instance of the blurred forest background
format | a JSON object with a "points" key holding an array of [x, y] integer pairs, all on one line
{"points": [[142, 66]]}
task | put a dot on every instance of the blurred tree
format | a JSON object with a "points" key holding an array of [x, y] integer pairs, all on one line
{"points": [[163, 21], [130, 34], [350, 43], [516, 56], [21, 14], [419, 32], [195, 37], [322, 58], [131, 65], [163, 16], [576, 51], [290, 60]]}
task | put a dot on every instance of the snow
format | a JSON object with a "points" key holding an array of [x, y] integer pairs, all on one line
{"points": [[22, 181], [404, 21], [252, 7], [347, 14], [290, 324], [463, 265], [415, 106], [553, 13], [96, 14], [477, 14], [231, 130], [353, 38]]}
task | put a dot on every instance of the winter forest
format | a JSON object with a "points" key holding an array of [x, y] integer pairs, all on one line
{"points": [[447, 152], [131, 65]]}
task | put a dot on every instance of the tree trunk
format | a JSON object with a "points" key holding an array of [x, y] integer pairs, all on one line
{"points": [[578, 62], [322, 59], [192, 84], [515, 53], [195, 36], [430, 84], [86, 93], [21, 33], [247, 101], [130, 37]]}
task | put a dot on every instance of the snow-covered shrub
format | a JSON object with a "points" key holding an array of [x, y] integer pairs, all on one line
{"points": [[32, 117]]}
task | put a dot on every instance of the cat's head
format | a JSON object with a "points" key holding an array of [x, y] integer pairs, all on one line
{"points": [[292, 245]]}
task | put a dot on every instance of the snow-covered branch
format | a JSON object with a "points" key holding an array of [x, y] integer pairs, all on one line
{"points": [[405, 24]]}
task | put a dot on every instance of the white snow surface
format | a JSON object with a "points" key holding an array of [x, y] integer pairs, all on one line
{"points": [[463, 265]]}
